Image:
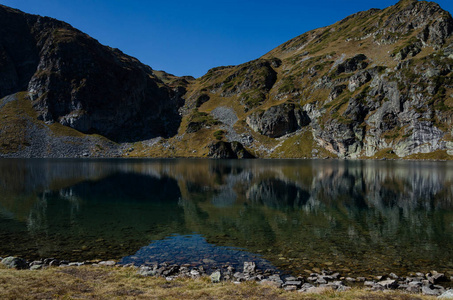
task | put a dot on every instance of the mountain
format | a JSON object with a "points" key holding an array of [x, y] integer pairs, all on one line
{"points": [[378, 84], [73, 80]]}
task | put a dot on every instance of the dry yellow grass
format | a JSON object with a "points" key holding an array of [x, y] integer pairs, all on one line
{"points": [[122, 283]]}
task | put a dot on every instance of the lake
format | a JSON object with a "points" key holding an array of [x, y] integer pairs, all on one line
{"points": [[356, 217]]}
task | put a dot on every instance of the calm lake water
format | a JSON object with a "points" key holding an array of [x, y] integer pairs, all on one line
{"points": [[357, 217]]}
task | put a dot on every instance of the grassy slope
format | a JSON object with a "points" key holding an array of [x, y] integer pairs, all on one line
{"points": [[317, 50], [17, 117], [123, 283]]}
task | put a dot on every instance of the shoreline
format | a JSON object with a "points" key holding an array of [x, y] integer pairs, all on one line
{"points": [[86, 282], [429, 284], [119, 157]]}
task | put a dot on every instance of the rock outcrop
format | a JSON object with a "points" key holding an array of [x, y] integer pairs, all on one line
{"points": [[278, 120], [228, 150], [358, 99], [74, 80]]}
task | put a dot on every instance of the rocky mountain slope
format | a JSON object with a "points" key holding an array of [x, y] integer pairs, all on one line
{"points": [[73, 80], [378, 84]]}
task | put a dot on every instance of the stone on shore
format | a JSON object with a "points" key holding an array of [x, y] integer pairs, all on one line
{"points": [[446, 295], [316, 283], [426, 290], [294, 282], [435, 277], [146, 271], [290, 288], [36, 267], [15, 263], [215, 277], [389, 284], [268, 282], [195, 274], [249, 267], [109, 263]]}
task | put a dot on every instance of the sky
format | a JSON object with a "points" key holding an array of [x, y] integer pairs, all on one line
{"points": [[191, 37]]}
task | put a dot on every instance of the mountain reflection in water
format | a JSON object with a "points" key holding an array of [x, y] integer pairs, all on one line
{"points": [[368, 217]]}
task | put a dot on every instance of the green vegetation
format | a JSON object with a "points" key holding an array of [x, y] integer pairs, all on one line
{"points": [[387, 153], [391, 135], [287, 85], [219, 134], [253, 99], [344, 120], [199, 120], [436, 155], [404, 47]]}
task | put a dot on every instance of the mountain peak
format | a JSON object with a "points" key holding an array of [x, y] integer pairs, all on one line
{"points": [[377, 84], [406, 2]]}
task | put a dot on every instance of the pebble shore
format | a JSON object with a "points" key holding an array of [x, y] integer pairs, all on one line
{"points": [[432, 283]]}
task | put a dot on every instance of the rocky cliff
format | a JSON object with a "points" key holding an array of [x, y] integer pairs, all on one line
{"points": [[377, 84], [75, 81]]}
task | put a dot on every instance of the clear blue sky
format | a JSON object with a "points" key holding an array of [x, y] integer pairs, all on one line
{"points": [[190, 37]]}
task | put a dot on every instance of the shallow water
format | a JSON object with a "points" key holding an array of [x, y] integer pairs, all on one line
{"points": [[358, 217]]}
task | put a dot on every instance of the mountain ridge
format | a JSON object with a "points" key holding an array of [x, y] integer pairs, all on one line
{"points": [[377, 84]]}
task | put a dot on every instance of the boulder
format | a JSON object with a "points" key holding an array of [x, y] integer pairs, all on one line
{"points": [[336, 91], [15, 263], [446, 295], [358, 79], [353, 64], [278, 120], [228, 150], [146, 271], [215, 277], [249, 267], [426, 290]]}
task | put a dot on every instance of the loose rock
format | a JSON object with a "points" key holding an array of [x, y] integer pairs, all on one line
{"points": [[107, 263], [15, 263], [446, 295], [146, 271], [215, 277], [249, 267], [430, 292]]}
